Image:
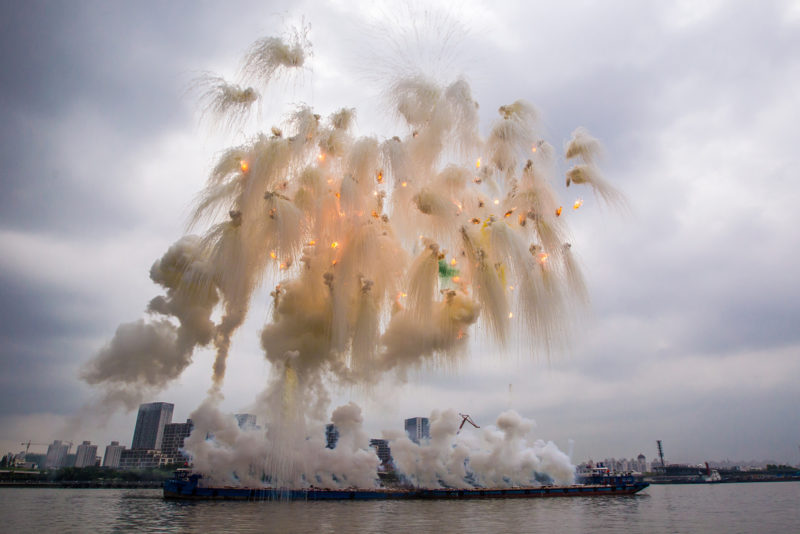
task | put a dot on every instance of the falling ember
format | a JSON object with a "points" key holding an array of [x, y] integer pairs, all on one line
{"points": [[273, 255], [321, 157], [312, 243], [542, 258], [282, 266], [533, 148], [244, 166], [578, 204], [478, 164], [460, 334], [404, 184], [558, 211], [510, 315], [453, 261], [496, 201], [334, 244], [380, 177], [509, 212]]}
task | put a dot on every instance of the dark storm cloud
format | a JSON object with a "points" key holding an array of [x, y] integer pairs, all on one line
{"points": [[114, 76], [41, 329]]}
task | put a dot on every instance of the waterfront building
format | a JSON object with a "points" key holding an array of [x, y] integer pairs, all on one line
{"points": [[384, 453], [417, 429], [56, 455], [172, 442], [86, 455], [140, 459], [331, 436], [246, 421], [641, 463], [150, 422], [113, 454]]}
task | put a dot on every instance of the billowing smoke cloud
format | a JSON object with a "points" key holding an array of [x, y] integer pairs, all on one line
{"points": [[228, 454], [503, 456], [382, 254], [145, 355]]}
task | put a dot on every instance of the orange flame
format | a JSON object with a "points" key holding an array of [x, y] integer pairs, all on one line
{"points": [[404, 184], [272, 254], [334, 244], [321, 157], [453, 261], [478, 164], [244, 165], [558, 211], [543, 258], [578, 204]]}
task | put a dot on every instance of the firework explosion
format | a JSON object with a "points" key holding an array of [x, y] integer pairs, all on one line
{"points": [[382, 255]]}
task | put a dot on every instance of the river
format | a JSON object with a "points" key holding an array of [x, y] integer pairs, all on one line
{"points": [[729, 508]]}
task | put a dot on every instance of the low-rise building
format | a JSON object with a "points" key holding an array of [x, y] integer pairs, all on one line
{"points": [[140, 459]]}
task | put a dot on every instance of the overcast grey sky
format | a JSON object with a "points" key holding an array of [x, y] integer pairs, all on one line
{"points": [[693, 335]]}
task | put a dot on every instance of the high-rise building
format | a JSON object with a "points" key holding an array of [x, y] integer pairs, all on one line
{"points": [[383, 451], [331, 436], [172, 443], [418, 428], [641, 463], [56, 455], [86, 455], [113, 454], [150, 423], [246, 421]]}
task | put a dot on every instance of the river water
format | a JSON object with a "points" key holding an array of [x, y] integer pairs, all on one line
{"points": [[729, 508]]}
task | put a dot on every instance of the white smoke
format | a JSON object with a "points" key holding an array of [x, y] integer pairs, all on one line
{"points": [[504, 455], [381, 255]]}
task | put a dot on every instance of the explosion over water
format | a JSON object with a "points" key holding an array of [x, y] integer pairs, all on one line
{"points": [[382, 255]]}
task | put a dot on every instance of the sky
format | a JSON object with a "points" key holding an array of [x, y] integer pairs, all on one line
{"points": [[693, 334]]}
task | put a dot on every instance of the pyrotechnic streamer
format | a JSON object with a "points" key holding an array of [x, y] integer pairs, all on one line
{"points": [[227, 104]]}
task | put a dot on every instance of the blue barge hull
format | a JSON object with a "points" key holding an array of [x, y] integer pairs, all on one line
{"points": [[189, 489]]}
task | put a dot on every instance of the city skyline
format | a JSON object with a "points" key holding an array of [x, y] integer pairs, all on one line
{"points": [[415, 428], [691, 336]]}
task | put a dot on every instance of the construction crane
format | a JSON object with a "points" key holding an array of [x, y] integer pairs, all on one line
{"points": [[465, 418], [29, 443], [661, 454]]}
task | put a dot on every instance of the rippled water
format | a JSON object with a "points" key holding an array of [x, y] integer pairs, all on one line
{"points": [[730, 508]]}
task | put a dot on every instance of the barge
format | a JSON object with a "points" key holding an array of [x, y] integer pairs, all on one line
{"points": [[188, 488]]}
